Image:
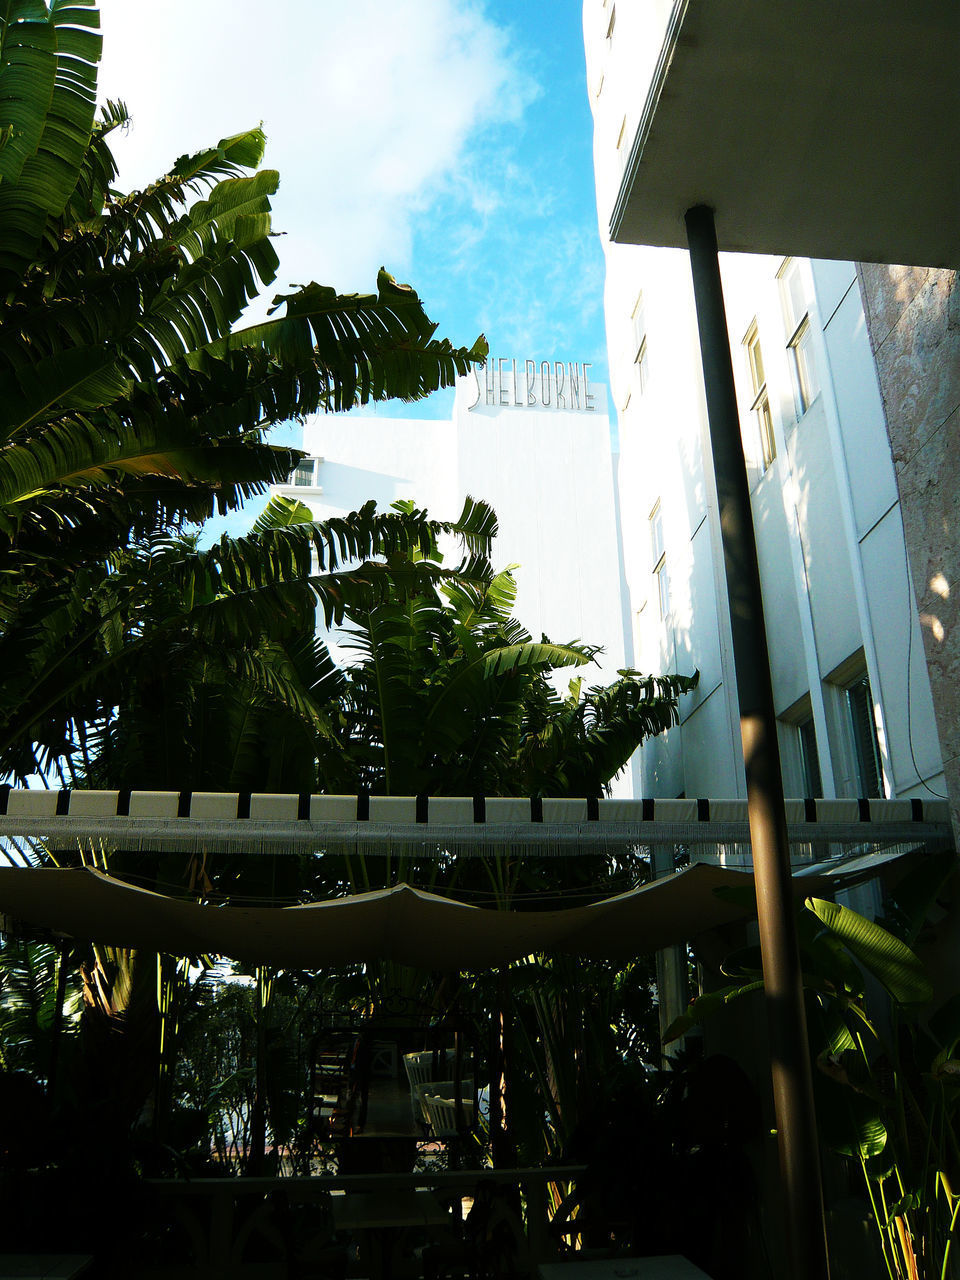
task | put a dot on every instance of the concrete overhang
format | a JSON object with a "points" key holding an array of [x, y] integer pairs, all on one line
{"points": [[821, 128]]}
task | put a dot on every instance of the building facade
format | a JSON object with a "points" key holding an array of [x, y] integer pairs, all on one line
{"points": [[532, 438], [851, 687]]}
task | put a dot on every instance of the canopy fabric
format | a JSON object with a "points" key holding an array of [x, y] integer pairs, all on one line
{"points": [[401, 924], [437, 826]]}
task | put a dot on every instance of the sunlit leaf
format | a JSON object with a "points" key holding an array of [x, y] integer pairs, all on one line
{"points": [[890, 961]]}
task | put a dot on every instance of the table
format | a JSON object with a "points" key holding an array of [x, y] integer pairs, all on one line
{"points": [[43, 1266], [371, 1210], [671, 1266], [379, 1218]]}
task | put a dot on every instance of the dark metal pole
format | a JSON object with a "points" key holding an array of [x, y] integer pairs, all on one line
{"points": [[789, 1053]]}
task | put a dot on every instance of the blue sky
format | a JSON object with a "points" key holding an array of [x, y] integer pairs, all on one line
{"points": [[450, 140], [512, 246]]}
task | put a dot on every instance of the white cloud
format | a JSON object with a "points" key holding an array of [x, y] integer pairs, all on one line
{"points": [[370, 109]]}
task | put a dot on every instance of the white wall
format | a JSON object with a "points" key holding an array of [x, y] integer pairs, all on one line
{"points": [[548, 473], [830, 540]]}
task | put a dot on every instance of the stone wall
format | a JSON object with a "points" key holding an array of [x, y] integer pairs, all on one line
{"points": [[913, 319]]}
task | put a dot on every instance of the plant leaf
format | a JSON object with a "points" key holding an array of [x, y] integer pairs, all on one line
{"points": [[890, 961]]}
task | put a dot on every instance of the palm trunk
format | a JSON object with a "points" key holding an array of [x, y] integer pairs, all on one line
{"points": [[503, 1146], [56, 1029], [256, 1160], [120, 1028]]}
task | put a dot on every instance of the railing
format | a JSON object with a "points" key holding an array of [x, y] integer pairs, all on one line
{"points": [[258, 1228]]}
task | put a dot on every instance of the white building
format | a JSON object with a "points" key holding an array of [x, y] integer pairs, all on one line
{"points": [[850, 679], [532, 438]]}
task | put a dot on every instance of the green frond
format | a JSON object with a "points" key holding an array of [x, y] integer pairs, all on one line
{"points": [[281, 512], [48, 85], [365, 347], [882, 954]]}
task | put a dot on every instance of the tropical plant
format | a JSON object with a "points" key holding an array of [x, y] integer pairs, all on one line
{"points": [[204, 679], [572, 1024], [132, 403], [447, 694], [131, 400], [225, 1023], [215, 676], [887, 1084], [40, 1001]]}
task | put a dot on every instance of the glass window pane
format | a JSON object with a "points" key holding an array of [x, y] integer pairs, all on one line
{"points": [[755, 357], [768, 445], [656, 534], [809, 759], [643, 370], [806, 368], [792, 295], [865, 743]]}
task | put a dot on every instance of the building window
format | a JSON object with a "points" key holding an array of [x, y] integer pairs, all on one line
{"points": [[796, 318], [622, 145], [862, 723], [303, 475], [659, 559], [809, 759], [804, 370], [643, 368], [799, 752], [640, 342], [761, 400]]}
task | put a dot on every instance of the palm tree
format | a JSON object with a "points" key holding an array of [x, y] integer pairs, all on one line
{"points": [[132, 403], [450, 695], [204, 669], [204, 672], [130, 400]]}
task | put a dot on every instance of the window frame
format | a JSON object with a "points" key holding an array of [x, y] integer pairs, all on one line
{"points": [[795, 304], [659, 559], [803, 365], [301, 470], [808, 754], [622, 148], [857, 732], [800, 754], [864, 736], [641, 360], [643, 365], [760, 405]]}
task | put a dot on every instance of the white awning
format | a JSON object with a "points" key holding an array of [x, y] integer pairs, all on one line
{"points": [[438, 826], [833, 843], [401, 924]]}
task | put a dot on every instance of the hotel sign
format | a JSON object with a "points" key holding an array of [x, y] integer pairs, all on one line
{"points": [[528, 384]]}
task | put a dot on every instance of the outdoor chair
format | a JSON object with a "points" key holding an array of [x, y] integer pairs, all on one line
{"points": [[441, 1114], [332, 1083], [442, 1089], [418, 1067]]}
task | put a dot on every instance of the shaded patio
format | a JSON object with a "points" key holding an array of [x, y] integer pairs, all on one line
{"points": [[236, 1226]]}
